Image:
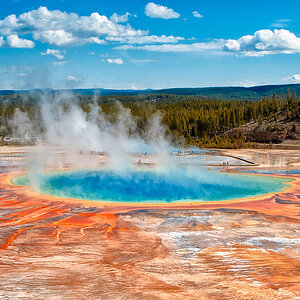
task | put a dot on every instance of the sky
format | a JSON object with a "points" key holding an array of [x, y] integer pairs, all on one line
{"points": [[137, 44]]}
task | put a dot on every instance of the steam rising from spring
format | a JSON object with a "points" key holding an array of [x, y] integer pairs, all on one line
{"points": [[65, 130]]}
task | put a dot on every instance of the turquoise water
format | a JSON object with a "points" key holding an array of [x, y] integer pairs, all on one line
{"points": [[144, 186]]}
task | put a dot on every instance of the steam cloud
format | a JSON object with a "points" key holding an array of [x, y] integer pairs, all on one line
{"points": [[65, 131]]}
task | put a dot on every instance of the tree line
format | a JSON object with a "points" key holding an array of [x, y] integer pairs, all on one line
{"points": [[197, 120]]}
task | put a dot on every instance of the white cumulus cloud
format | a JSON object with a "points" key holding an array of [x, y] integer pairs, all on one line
{"points": [[55, 53], [14, 41], [120, 18], [263, 42], [196, 14], [294, 78], [61, 28], [153, 10], [116, 61]]}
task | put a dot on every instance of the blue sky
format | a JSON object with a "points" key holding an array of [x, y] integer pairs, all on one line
{"points": [[141, 44]]}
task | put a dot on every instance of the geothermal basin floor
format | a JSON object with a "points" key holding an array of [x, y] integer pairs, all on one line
{"points": [[56, 249]]}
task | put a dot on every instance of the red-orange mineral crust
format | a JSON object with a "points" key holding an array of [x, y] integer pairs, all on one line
{"points": [[53, 248]]}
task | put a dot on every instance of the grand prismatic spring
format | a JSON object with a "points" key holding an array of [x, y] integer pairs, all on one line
{"points": [[199, 230], [146, 186]]}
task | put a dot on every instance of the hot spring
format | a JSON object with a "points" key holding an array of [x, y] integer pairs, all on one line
{"points": [[141, 185]]}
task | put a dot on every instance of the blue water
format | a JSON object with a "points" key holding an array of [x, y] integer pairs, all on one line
{"points": [[144, 186]]}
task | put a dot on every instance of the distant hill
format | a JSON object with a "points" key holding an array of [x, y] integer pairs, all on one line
{"points": [[249, 93]]}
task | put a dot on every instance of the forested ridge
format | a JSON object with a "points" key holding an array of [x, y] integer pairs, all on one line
{"points": [[201, 121], [226, 92]]}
